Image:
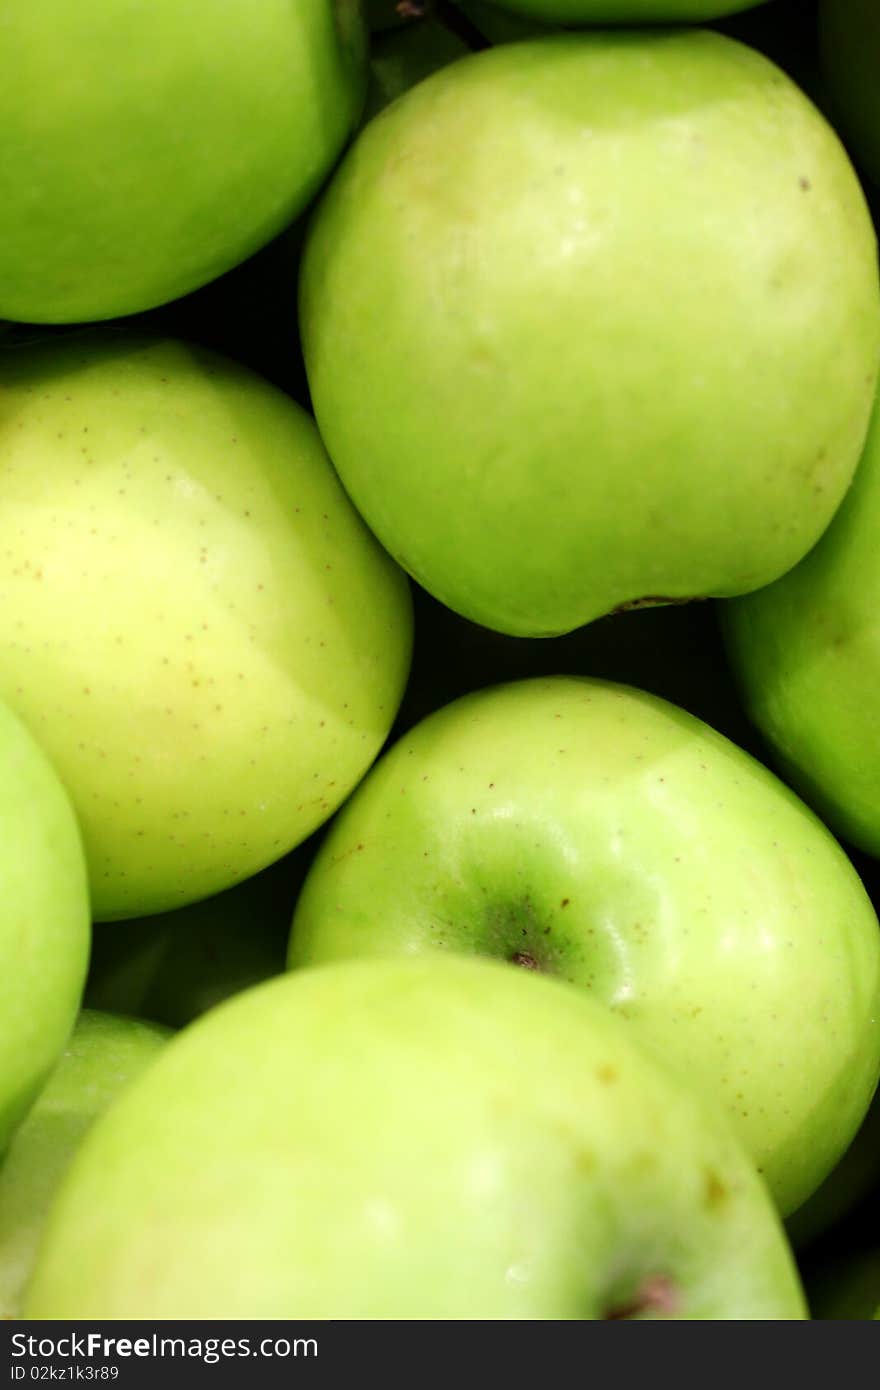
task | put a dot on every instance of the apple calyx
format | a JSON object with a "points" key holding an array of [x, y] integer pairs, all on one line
{"points": [[656, 1296]]}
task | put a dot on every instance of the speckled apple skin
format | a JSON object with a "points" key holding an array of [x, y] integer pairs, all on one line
{"points": [[605, 836], [593, 320], [148, 148], [104, 1054], [194, 622], [410, 1139], [44, 920]]}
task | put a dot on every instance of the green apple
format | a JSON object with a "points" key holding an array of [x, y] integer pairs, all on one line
{"points": [[594, 832], [401, 59], [398, 1140], [195, 623], [845, 1287], [806, 651], [849, 41], [44, 920], [594, 320], [103, 1056], [177, 965], [149, 147]]}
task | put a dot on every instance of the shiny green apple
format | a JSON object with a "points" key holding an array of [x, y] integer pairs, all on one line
{"points": [[595, 832], [806, 651], [103, 1056], [399, 1140], [849, 44], [593, 320], [44, 920], [147, 148], [194, 622]]}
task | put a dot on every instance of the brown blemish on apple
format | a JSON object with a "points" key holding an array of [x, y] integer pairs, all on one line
{"points": [[606, 1074], [656, 1295], [525, 959], [715, 1191]]}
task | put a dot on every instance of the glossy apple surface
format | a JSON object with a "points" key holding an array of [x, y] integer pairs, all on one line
{"points": [[596, 833], [536, 296], [195, 623], [148, 148], [103, 1056], [406, 1140], [44, 920], [849, 41], [806, 651]]}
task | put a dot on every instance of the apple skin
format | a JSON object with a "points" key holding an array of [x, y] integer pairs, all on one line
{"points": [[597, 833], [177, 965], [164, 147], [44, 920], [537, 474], [400, 1139], [103, 1056], [196, 625], [806, 653], [849, 44]]}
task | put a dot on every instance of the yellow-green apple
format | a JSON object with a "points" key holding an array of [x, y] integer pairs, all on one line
{"points": [[410, 1139], [103, 1056], [176, 965], [806, 651], [149, 148], [594, 832], [537, 296], [849, 44], [44, 920], [195, 623]]}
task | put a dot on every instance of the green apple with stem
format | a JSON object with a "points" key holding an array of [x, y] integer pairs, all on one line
{"points": [[44, 920], [849, 44], [588, 830], [537, 293], [104, 1054], [195, 623], [408, 1139], [806, 652], [149, 148], [177, 965]]}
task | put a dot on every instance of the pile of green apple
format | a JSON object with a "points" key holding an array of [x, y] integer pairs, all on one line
{"points": [[439, 660]]}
